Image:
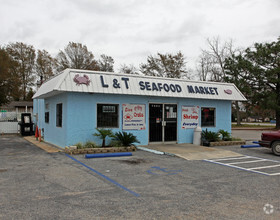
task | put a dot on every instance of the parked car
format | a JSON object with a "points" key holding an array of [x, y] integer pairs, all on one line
{"points": [[271, 140]]}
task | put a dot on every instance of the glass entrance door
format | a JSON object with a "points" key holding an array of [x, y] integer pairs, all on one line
{"points": [[155, 122], [162, 122], [170, 122]]}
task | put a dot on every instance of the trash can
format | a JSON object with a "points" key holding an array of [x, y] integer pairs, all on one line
{"points": [[197, 136], [26, 125]]}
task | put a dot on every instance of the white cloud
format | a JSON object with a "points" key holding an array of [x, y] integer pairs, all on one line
{"points": [[131, 30]]}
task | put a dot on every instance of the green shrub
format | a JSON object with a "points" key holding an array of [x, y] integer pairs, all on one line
{"points": [[126, 139], [115, 143], [210, 136], [236, 139], [79, 145], [102, 134], [90, 144], [225, 135]]}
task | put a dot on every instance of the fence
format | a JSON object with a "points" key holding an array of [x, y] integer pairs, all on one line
{"points": [[9, 122]]}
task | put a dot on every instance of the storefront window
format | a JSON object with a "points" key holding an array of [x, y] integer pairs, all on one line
{"points": [[107, 115], [59, 115], [208, 117], [47, 116]]}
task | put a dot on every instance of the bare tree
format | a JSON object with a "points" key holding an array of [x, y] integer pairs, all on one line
{"points": [[106, 63], [9, 80], [165, 65], [24, 55], [211, 63], [76, 56], [131, 69], [44, 65], [204, 67]]}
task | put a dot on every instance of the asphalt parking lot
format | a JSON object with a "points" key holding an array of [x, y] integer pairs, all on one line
{"points": [[35, 184]]}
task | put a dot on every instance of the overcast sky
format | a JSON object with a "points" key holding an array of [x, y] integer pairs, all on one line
{"points": [[129, 30]]}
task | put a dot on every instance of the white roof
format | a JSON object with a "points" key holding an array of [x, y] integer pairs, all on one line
{"points": [[71, 80]]}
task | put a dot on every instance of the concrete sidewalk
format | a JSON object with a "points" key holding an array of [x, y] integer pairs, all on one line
{"points": [[44, 146], [186, 151], [192, 152]]}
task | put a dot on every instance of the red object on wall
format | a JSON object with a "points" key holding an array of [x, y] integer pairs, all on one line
{"points": [[206, 112], [37, 133], [40, 135]]}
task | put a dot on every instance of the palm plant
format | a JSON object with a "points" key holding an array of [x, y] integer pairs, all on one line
{"points": [[225, 135], [79, 145], [102, 134], [210, 136], [126, 139], [90, 144]]}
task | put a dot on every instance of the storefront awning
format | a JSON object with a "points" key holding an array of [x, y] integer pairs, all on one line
{"points": [[71, 80]]}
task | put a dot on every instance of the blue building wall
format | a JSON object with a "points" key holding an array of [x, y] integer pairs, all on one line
{"points": [[38, 112], [80, 118], [52, 133]]}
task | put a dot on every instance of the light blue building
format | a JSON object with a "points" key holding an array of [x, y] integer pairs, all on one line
{"points": [[70, 106]]}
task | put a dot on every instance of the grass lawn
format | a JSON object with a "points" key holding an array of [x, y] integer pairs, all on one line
{"points": [[255, 125]]}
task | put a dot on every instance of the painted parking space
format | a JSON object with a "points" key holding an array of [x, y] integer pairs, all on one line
{"points": [[104, 176], [252, 164], [145, 186]]}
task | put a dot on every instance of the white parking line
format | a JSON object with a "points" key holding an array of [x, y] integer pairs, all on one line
{"points": [[258, 168], [246, 161], [251, 161], [231, 158]]}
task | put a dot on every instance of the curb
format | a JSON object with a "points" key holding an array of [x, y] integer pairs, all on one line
{"points": [[226, 143], [99, 150], [150, 150]]}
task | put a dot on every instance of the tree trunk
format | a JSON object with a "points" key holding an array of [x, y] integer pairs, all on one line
{"points": [[277, 119], [103, 143], [237, 113], [24, 92], [277, 111]]}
